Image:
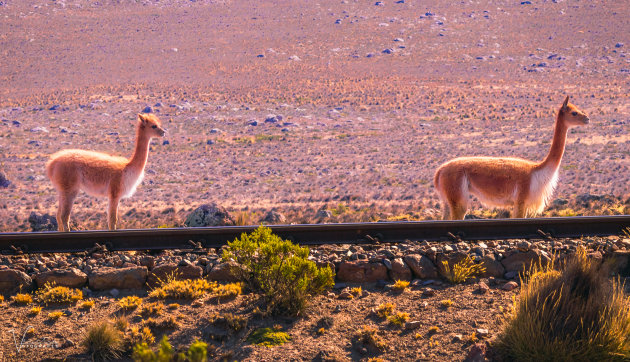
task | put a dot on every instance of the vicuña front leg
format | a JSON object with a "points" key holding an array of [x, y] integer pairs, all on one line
{"points": [[113, 213], [65, 208]]}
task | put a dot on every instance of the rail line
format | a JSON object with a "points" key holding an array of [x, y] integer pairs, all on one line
{"points": [[317, 234]]}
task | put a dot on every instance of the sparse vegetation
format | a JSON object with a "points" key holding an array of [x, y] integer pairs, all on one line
{"points": [[574, 314], [227, 291], [385, 310], [121, 323], [138, 335], [173, 288], [22, 298], [35, 311], [53, 316], [269, 337], [151, 309], [129, 303], [87, 304], [357, 291], [53, 294], [400, 285], [143, 353], [462, 271], [368, 336], [398, 319], [446, 303], [279, 269], [103, 341]]}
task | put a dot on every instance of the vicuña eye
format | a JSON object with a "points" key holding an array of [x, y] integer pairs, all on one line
{"points": [[154, 126], [574, 113]]}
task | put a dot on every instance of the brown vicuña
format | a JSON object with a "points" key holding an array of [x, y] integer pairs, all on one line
{"points": [[506, 182], [100, 174]]}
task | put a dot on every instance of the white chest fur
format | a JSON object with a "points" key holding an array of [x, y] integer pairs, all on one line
{"points": [[131, 180], [542, 186]]}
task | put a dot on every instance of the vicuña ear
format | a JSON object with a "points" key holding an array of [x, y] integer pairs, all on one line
{"points": [[142, 118], [566, 102]]}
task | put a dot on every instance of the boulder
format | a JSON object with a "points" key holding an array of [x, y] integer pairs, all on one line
{"points": [[119, 278], [13, 281], [42, 222], [493, 267], [399, 270], [163, 271], [209, 215], [274, 217], [4, 182], [421, 266], [361, 272], [229, 271], [521, 262], [71, 278]]}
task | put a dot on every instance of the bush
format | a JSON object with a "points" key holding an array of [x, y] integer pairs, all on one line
{"points": [[575, 314], [269, 337], [103, 341], [279, 269], [22, 298], [173, 288], [462, 271], [385, 310], [129, 303], [52, 294], [197, 352]]}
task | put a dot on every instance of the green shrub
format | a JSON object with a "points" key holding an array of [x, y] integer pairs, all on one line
{"points": [[279, 269], [268, 337], [575, 314], [142, 352], [197, 352]]}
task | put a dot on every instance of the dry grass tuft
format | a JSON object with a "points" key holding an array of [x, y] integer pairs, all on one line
{"points": [[446, 303], [54, 316], [400, 285], [137, 335], [228, 291], [130, 303], [172, 288], [87, 304], [399, 318], [385, 310], [22, 298], [151, 309], [575, 314], [52, 294], [103, 341], [35, 311], [369, 337], [462, 271]]}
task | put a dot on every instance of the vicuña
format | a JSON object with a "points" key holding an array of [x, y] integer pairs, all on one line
{"points": [[100, 174], [506, 182]]}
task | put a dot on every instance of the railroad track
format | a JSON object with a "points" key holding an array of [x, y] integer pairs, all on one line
{"points": [[317, 234]]}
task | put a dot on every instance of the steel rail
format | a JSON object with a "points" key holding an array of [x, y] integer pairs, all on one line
{"points": [[317, 234]]}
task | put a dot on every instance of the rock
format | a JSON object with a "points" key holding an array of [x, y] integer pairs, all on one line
{"points": [[428, 293], [477, 352], [252, 123], [209, 215], [114, 292], [119, 278], [522, 261], [42, 222], [12, 281], [482, 288], [388, 264], [67, 344], [457, 338], [379, 3], [147, 109], [166, 142], [523, 245], [346, 295], [493, 268], [619, 45], [421, 266], [229, 271], [510, 275], [400, 270], [147, 261], [509, 286], [388, 51], [39, 130], [4, 182], [323, 214], [413, 324], [295, 58], [71, 278], [361, 272], [163, 271], [274, 217]]}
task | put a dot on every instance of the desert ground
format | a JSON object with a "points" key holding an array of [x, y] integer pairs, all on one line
{"points": [[339, 105]]}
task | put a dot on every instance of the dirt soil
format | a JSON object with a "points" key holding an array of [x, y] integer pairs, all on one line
{"points": [[341, 319]]}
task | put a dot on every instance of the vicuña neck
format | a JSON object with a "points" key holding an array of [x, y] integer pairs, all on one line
{"points": [[554, 157], [140, 154]]}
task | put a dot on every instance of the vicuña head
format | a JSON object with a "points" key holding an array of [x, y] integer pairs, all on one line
{"points": [[100, 174], [524, 185]]}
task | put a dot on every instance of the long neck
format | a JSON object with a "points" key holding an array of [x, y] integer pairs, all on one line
{"points": [[140, 154], [554, 157]]}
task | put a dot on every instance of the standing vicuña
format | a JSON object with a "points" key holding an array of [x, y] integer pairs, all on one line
{"points": [[497, 181], [100, 174]]}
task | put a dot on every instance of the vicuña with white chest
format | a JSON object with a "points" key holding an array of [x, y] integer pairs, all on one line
{"points": [[506, 182], [100, 174]]}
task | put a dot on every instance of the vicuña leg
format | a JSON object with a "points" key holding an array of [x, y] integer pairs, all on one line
{"points": [[113, 213], [65, 208]]}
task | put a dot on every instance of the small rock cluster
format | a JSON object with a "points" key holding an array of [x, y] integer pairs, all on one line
{"points": [[421, 262]]}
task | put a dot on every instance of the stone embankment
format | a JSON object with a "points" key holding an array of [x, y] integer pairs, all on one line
{"points": [[420, 262]]}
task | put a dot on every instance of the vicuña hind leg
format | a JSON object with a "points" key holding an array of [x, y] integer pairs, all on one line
{"points": [[113, 214], [65, 208]]}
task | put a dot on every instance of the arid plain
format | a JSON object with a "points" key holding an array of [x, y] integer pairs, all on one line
{"points": [[372, 99]]}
